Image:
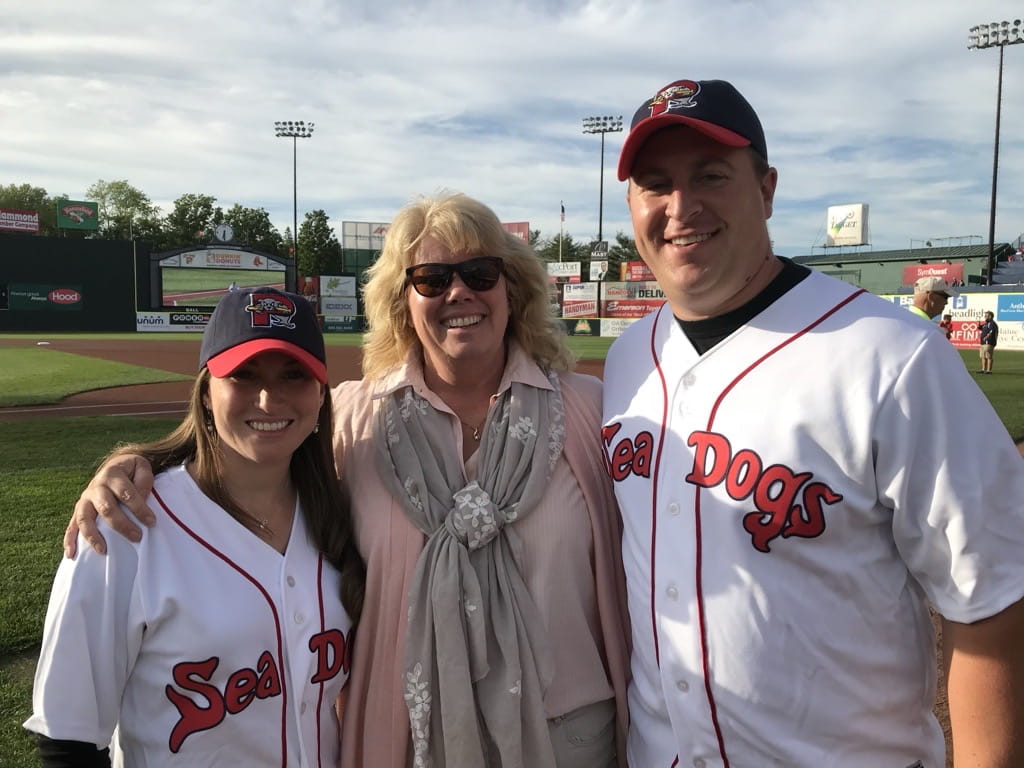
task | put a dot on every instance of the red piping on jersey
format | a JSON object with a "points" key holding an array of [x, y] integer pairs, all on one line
{"points": [[771, 352], [273, 610], [696, 513], [654, 488], [323, 627]]}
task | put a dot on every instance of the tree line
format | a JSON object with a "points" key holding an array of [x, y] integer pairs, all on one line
{"points": [[127, 213]]}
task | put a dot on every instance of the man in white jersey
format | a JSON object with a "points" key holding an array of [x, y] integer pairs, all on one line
{"points": [[802, 469]]}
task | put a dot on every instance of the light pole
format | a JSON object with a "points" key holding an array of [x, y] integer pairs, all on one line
{"points": [[602, 125], [997, 34], [290, 129]]}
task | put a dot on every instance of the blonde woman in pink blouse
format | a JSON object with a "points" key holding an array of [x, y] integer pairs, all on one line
{"points": [[494, 631]]}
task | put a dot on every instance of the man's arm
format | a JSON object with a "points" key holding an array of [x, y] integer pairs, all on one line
{"points": [[984, 664], [124, 480]]}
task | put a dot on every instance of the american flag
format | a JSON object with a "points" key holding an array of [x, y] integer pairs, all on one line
{"points": [[563, 210]]}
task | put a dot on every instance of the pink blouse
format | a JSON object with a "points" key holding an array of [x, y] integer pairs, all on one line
{"points": [[570, 561]]}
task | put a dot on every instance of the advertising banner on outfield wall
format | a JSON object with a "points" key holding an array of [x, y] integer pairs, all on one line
{"points": [[614, 326], [221, 258], [187, 320], [46, 298], [19, 221], [598, 270], [337, 285], [846, 224], [565, 271], [630, 299], [948, 272], [344, 324], [363, 235], [338, 306], [635, 271], [520, 229], [968, 310], [78, 214], [579, 300], [583, 327]]}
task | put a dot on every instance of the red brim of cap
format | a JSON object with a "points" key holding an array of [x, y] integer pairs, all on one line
{"points": [[642, 132], [228, 361]]}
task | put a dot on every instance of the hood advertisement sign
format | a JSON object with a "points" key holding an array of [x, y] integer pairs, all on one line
{"points": [[77, 214], [19, 221], [47, 298]]}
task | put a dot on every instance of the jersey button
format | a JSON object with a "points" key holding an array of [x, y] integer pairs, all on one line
{"points": [[299, 618], [302, 709], [673, 593], [682, 685], [699, 762], [291, 581], [673, 508]]}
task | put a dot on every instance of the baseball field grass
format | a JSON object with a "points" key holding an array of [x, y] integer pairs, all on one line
{"points": [[45, 462], [38, 375]]}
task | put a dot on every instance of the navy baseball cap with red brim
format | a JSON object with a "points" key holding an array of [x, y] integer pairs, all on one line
{"points": [[248, 322], [713, 107]]}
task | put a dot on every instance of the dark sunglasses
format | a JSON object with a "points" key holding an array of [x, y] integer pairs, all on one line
{"points": [[433, 279]]}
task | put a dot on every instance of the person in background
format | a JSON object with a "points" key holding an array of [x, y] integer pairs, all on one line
{"points": [[796, 488], [988, 336], [946, 325], [224, 636], [931, 294], [495, 630], [233, 287]]}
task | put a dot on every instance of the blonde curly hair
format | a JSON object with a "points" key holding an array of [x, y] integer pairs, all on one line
{"points": [[463, 225]]}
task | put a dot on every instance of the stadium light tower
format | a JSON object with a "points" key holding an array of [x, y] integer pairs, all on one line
{"points": [[602, 125], [997, 34], [290, 129]]}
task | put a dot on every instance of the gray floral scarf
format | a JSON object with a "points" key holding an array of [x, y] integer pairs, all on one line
{"points": [[476, 663]]}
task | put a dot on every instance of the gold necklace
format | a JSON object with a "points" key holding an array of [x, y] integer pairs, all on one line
{"points": [[474, 430]]}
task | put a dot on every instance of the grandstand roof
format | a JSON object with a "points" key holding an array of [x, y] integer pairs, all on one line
{"points": [[951, 252]]}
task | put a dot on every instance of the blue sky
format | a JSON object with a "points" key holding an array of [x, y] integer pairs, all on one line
{"points": [[876, 102]]}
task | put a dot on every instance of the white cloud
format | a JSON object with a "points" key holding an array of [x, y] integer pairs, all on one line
{"points": [[874, 102]]}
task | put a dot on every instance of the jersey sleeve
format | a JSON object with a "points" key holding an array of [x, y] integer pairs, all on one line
{"points": [[947, 468], [91, 638]]}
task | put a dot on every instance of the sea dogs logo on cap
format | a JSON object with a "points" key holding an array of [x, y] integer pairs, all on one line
{"points": [[268, 310], [678, 95]]}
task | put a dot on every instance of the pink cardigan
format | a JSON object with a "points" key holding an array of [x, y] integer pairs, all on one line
{"points": [[375, 731]]}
